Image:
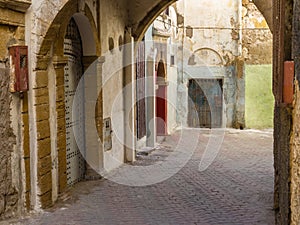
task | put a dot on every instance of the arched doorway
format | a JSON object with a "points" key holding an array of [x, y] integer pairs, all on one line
{"points": [[161, 99], [143, 22], [73, 73]]}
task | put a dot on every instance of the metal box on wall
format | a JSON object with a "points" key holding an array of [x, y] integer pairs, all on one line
{"points": [[18, 56], [288, 82], [107, 131]]}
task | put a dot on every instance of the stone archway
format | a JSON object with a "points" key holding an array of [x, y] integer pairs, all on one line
{"points": [[155, 8], [281, 28], [48, 164]]}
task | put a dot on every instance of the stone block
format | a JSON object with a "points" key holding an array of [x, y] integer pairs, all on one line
{"points": [[60, 80], [27, 200], [20, 33], [44, 147], [44, 183], [46, 200], [62, 168], [45, 47], [61, 125], [60, 105], [25, 103], [62, 182], [40, 79], [16, 5], [53, 31], [61, 141], [11, 17], [43, 129], [42, 112], [41, 100], [62, 160], [60, 112], [42, 61], [41, 92], [27, 174], [60, 93], [26, 146], [44, 165]]}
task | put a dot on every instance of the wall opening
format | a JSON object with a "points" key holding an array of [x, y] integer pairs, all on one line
{"points": [[205, 104]]}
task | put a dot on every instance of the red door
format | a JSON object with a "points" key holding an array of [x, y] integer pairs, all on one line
{"points": [[161, 99], [161, 110]]}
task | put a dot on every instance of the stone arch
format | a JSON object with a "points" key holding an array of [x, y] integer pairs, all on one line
{"points": [[48, 62], [207, 56], [144, 24], [140, 27], [57, 29]]}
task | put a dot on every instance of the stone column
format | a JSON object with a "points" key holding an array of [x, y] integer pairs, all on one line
{"points": [[150, 102], [94, 118], [58, 127], [41, 182], [129, 98]]}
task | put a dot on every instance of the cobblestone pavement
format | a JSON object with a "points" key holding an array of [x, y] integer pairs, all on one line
{"points": [[236, 189]]}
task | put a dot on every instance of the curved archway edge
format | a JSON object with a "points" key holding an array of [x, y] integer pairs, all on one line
{"points": [[57, 28], [139, 29]]}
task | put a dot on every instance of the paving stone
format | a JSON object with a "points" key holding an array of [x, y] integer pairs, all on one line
{"points": [[236, 189]]}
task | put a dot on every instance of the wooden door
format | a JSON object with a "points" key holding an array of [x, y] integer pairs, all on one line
{"points": [[205, 103]]}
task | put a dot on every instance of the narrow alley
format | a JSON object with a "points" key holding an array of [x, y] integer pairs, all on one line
{"points": [[236, 189]]}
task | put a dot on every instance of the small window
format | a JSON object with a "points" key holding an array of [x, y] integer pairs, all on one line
{"points": [[189, 31], [172, 60], [23, 61]]}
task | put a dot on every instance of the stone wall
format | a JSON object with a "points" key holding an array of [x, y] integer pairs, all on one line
{"points": [[257, 37], [295, 137], [14, 127], [8, 193], [48, 24], [283, 121], [295, 163], [214, 44]]}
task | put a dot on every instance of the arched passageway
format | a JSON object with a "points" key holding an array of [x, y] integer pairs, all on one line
{"points": [[48, 137]]}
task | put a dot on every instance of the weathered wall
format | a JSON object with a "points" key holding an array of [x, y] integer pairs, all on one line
{"points": [[215, 46], [295, 129], [113, 105], [47, 25], [294, 160], [145, 12], [8, 192], [161, 44], [14, 144], [282, 30], [257, 37]]}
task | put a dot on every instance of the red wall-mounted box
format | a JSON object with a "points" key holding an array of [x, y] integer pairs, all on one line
{"points": [[18, 68], [288, 82]]}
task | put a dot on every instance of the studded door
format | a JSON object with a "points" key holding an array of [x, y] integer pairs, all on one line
{"points": [[73, 74]]}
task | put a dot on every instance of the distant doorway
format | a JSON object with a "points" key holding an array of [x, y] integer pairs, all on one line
{"points": [[205, 103]]}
